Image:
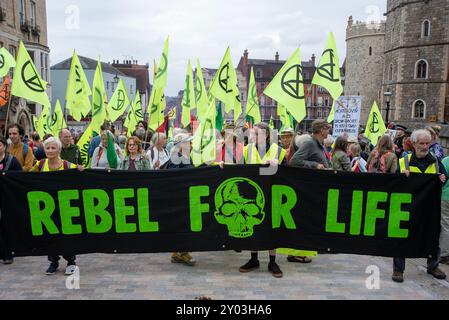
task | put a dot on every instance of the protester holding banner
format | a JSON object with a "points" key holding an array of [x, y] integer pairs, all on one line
{"points": [[7, 163], [53, 147], [108, 155], [383, 159], [311, 155], [340, 159], [135, 159], [420, 161], [180, 159], [70, 151], [157, 154], [22, 152], [273, 154]]}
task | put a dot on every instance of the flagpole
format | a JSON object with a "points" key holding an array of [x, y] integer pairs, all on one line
{"points": [[7, 114]]}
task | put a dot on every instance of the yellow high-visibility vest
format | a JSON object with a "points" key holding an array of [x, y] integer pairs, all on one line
{"points": [[252, 156], [404, 165]]}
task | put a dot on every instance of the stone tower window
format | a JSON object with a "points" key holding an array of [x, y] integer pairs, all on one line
{"points": [[421, 69], [370, 51], [425, 32], [419, 109], [390, 72]]}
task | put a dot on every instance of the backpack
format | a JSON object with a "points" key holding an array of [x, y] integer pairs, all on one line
{"points": [[24, 151], [379, 163], [65, 164], [8, 162]]}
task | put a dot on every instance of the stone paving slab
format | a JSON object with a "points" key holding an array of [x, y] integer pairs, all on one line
{"points": [[216, 275]]}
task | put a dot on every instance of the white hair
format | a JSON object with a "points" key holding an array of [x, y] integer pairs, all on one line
{"points": [[157, 137], [329, 140], [53, 140], [299, 140], [420, 134]]}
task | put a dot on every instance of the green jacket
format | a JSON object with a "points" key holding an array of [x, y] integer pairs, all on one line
{"points": [[141, 163], [71, 154], [341, 162]]}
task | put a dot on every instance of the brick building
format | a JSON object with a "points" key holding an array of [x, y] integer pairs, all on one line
{"points": [[318, 100]]}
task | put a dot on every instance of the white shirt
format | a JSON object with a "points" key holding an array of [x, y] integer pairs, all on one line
{"points": [[162, 156]]}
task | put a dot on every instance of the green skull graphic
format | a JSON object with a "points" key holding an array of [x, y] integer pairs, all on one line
{"points": [[239, 204]]}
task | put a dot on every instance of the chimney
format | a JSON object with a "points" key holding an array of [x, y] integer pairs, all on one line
{"points": [[276, 57], [313, 59]]}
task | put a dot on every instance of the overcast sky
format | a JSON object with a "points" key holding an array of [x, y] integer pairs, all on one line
{"points": [[136, 29]]}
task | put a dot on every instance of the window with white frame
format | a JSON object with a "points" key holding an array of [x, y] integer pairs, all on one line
{"points": [[419, 109]]}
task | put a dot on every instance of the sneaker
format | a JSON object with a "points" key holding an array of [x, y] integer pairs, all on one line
{"points": [[52, 269], [437, 273], [71, 269], [398, 277], [184, 258], [275, 270], [250, 266], [445, 260]]}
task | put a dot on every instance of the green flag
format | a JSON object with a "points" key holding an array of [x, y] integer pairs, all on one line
{"points": [[134, 114], [204, 139], [83, 144], [202, 100], [58, 121], [98, 100], [35, 123], [219, 117], [119, 102], [7, 62], [287, 87], [188, 100], [375, 127], [283, 117], [78, 91], [27, 83], [46, 120], [157, 105], [328, 71], [111, 153], [224, 83], [237, 105], [252, 106], [161, 78]]}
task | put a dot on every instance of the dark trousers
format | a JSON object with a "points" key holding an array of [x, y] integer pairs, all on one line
{"points": [[432, 264], [70, 259]]}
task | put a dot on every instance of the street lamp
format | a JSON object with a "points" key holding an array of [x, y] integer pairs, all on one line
{"points": [[387, 96]]}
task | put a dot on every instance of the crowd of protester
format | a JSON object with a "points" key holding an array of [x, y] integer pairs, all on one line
{"points": [[406, 152]]}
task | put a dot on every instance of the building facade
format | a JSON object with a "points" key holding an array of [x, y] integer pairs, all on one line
{"points": [[365, 63], [141, 73], [25, 20], [414, 65], [111, 77]]}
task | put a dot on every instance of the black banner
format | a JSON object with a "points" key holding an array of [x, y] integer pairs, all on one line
{"points": [[210, 209]]}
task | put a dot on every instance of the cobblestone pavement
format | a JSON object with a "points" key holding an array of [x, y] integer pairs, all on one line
{"points": [[153, 276]]}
